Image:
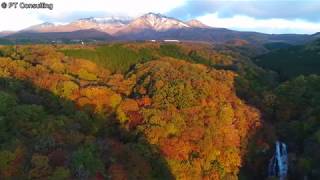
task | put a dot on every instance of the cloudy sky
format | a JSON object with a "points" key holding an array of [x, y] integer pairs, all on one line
{"points": [[269, 16]]}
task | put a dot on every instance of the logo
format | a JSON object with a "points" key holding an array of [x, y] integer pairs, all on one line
{"points": [[22, 5], [4, 5]]}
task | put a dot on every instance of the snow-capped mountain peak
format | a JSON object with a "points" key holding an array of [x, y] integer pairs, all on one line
{"points": [[40, 27], [89, 19], [114, 20], [157, 22], [154, 19], [196, 23], [118, 25], [152, 15], [47, 24], [106, 20]]}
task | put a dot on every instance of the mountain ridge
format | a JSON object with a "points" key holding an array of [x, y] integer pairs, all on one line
{"points": [[151, 26], [75, 36], [116, 25]]}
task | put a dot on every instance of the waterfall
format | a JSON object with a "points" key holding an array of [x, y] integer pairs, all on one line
{"points": [[278, 165]]}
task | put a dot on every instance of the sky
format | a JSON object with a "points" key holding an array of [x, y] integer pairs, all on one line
{"points": [[267, 16]]}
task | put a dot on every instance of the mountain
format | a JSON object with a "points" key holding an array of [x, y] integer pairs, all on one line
{"points": [[119, 25], [196, 23], [87, 34], [154, 22], [44, 27], [293, 61], [108, 25], [213, 35], [6, 33], [316, 35], [112, 20], [151, 26]]}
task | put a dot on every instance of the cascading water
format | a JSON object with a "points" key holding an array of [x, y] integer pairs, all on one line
{"points": [[278, 165]]}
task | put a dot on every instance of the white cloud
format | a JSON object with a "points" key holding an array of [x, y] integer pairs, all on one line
{"points": [[275, 25], [16, 19], [121, 7]]}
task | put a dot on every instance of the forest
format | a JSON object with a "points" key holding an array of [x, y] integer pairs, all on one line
{"points": [[142, 110]]}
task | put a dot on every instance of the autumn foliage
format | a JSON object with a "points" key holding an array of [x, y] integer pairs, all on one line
{"points": [[163, 119]]}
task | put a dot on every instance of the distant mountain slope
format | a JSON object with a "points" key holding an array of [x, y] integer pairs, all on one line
{"points": [[116, 25], [216, 35], [196, 23], [90, 34], [152, 21], [147, 27], [293, 61], [109, 25], [5, 33], [44, 27]]}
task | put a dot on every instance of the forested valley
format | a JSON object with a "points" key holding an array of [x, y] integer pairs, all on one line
{"points": [[142, 110]]}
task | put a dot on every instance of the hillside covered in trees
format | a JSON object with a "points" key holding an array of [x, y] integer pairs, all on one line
{"points": [[292, 61], [63, 117], [289, 103], [151, 111]]}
